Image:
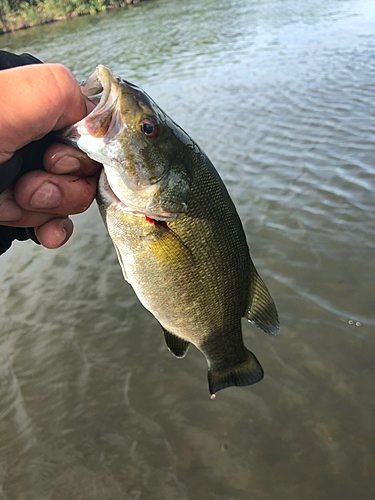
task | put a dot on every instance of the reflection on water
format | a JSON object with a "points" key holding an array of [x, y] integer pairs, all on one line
{"points": [[280, 94]]}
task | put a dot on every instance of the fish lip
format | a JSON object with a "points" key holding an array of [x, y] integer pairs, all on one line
{"points": [[110, 196], [99, 95]]}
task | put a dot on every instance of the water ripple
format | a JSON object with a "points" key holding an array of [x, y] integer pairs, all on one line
{"points": [[280, 95]]}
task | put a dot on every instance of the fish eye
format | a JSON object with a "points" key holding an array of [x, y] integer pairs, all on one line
{"points": [[149, 128]]}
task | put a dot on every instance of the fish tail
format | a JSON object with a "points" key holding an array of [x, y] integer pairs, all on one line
{"points": [[246, 373]]}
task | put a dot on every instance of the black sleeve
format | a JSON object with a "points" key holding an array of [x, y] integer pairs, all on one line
{"points": [[28, 158]]}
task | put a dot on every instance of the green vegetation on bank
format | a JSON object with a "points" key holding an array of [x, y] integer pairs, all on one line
{"points": [[17, 14]]}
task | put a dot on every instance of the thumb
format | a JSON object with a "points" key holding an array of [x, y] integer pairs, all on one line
{"points": [[35, 100]]}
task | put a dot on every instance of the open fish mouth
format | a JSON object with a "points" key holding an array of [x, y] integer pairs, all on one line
{"points": [[103, 90]]}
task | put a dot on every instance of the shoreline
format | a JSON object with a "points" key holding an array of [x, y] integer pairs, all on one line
{"points": [[47, 11]]}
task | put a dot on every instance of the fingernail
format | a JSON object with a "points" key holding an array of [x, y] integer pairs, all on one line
{"points": [[48, 196], [66, 164], [60, 235], [10, 211]]}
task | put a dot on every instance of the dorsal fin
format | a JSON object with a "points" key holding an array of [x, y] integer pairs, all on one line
{"points": [[261, 309], [175, 344]]}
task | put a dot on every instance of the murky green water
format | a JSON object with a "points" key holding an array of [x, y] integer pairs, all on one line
{"points": [[280, 94]]}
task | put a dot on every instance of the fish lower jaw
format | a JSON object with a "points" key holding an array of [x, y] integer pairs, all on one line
{"points": [[163, 216], [155, 214], [107, 194]]}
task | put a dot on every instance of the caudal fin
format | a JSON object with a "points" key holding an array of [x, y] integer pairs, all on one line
{"points": [[246, 373]]}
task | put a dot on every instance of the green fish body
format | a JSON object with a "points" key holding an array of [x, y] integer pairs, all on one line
{"points": [[177, 234]]}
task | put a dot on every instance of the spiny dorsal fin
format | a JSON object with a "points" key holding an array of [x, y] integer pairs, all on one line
{"points": [[261, 309], [175, 344], [246, 373]]}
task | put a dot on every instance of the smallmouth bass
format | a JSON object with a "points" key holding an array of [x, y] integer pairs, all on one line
{"points": [[177, 234]]}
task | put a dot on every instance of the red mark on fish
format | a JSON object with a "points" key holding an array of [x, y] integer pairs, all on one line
{"points": [[156, 222]]}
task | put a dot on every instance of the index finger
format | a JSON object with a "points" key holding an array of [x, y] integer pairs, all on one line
{"points": [[36, 99]]}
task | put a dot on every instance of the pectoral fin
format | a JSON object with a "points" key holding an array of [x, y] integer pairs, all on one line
{"points": [[261, 309], [120, 261], [175, 344]]}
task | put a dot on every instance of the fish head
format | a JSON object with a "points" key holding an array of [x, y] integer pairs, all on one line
{"points": [[141, 148]]}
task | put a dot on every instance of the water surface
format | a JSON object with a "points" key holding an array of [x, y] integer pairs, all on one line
{"points": [[280, 95]]}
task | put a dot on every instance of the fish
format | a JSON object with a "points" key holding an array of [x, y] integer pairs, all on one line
{"points": [[178, 237]]}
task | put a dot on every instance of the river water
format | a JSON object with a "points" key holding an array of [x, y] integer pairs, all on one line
{"points": [[280, 95]]}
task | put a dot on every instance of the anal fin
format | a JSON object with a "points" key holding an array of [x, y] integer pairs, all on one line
{"points": [[261, 309], [175, 344]]}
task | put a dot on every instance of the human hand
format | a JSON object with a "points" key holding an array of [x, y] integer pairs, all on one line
{"points": [[35, 100]]}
